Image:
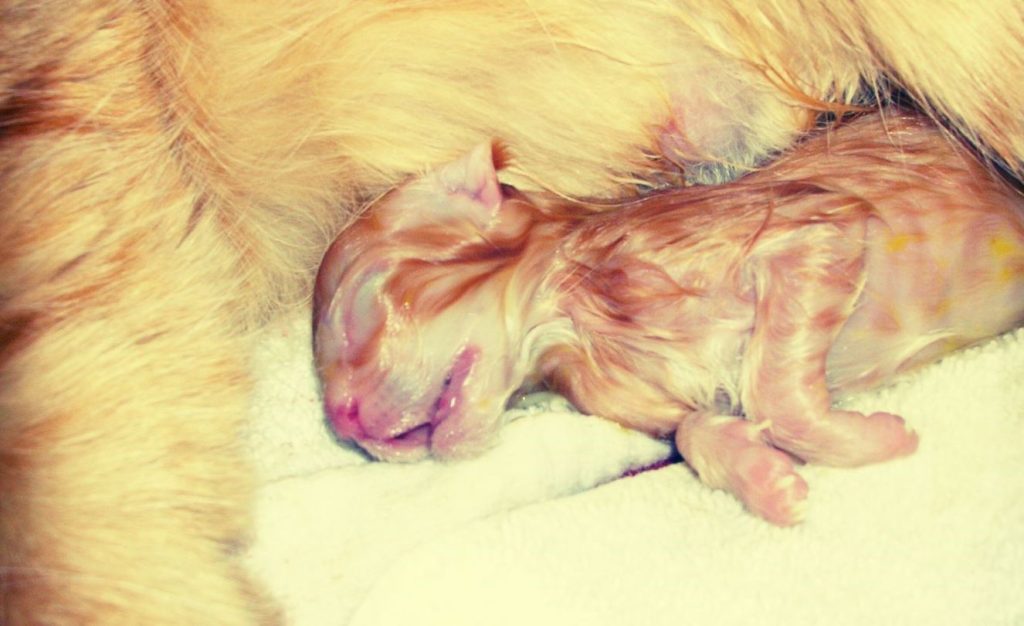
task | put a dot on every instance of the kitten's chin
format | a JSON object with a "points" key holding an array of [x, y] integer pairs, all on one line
{"points": [[452, 441]]}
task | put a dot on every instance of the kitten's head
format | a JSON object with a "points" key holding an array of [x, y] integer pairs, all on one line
{"points": [[414, 337]]}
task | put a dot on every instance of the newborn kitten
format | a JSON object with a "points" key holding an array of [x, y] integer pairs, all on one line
{"points": [[725, 315]]}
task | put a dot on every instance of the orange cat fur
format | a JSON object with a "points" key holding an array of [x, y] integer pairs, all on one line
{"points": [[171, 173]]}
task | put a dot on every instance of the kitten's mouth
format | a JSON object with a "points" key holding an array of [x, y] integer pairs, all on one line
{"points": [[450, 401], [416, 442], [412, 445]]}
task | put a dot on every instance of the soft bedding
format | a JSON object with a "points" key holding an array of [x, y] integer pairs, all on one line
{"points": [[555, 525]]}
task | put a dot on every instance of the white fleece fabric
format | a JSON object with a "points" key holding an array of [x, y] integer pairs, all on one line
{"points": [[541, 530]]}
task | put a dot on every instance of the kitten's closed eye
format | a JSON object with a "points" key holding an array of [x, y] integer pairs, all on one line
{"points": [[364, 314]]}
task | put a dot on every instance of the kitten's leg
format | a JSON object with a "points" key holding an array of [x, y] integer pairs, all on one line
{"points": [[805, 292], [729, 453]]}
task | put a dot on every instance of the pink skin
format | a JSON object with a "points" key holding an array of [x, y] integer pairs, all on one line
{"points": [[726, 316], [399, 397]]}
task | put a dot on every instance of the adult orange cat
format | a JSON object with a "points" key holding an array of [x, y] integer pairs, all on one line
{"points": [[171, 173]]}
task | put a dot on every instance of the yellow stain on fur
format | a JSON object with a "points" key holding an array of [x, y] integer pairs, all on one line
{"points": [[1002, 247], [898, 243]]}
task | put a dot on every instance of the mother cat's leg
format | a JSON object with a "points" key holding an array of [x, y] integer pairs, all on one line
{"points": [[123, 486], [123, 489]]}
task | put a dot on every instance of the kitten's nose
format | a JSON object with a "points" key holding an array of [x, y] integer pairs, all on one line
{"points": [[345, 422]]}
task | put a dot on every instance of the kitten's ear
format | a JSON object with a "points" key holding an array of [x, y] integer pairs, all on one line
{"points": [[465, 190], [474, 177]]}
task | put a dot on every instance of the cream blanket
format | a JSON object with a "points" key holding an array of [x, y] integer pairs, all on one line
{"points": [[538, 531]]}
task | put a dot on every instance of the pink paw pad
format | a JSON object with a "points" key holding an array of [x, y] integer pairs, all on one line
{"points": [[730, 453], [765, 480]]}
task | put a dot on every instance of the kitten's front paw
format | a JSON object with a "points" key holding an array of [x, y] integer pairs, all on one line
{"points": [[729, 453], [767, 483]]}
